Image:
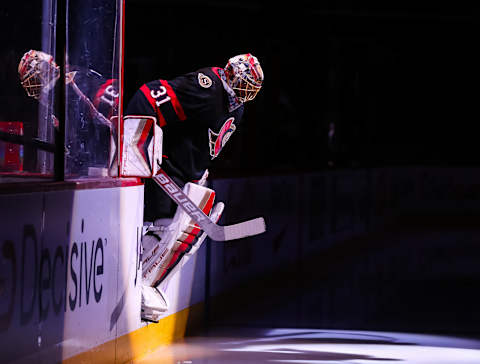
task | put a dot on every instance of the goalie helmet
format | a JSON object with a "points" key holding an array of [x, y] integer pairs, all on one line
{"points": [[38, 72], [244, 76]]}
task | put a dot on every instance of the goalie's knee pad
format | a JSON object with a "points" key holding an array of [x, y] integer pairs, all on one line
{"points": [[192, 249], [163, 249]]}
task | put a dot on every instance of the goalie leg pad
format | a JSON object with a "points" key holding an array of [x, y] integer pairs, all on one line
{"points": [[183, 258], [176, 239]]}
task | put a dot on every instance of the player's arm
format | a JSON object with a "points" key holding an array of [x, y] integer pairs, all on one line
{"points": [[174, 101], [157, 98]]}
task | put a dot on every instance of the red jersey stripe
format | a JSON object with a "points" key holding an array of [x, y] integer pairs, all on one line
{"points": [[215, 70], [175, 102], [151, 100]]}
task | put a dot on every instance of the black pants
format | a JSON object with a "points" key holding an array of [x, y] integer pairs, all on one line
{"points": [[157, 204]]}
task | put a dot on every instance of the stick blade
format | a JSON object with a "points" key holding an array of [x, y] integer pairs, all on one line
{"points": [[237, 231], [214, 231]]}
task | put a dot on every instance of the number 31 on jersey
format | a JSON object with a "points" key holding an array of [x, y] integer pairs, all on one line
{"points": [[160, 96]]}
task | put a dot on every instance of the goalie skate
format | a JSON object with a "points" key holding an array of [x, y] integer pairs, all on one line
{"points": [[154, 304]]}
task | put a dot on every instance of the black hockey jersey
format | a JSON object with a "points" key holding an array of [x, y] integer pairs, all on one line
{"points": [[198, 112]]}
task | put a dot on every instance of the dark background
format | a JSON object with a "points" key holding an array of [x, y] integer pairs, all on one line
{"points": [[393, 218], [398, 78]]}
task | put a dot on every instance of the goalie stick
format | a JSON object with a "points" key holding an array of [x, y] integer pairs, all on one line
{"points": [[214, 231]]}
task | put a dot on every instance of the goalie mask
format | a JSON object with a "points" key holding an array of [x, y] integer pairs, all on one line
{"points": [[38, 72], [244, 76]]}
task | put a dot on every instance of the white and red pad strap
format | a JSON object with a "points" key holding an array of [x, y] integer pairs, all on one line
{"points": [[177, 239], [141, 146]]}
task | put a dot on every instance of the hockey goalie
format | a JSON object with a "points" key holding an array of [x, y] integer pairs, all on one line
{"points": [[196, 114], [173, 130]]}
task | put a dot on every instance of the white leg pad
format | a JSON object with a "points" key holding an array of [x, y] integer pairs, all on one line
{"points": [[162, 251], [215, 216]]}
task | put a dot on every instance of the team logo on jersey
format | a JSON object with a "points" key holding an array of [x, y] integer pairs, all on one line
{"points": [[204, 81], [218, 140]]}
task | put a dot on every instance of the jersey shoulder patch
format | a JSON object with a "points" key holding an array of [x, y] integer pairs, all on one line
{"points": [[204, 80]]}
